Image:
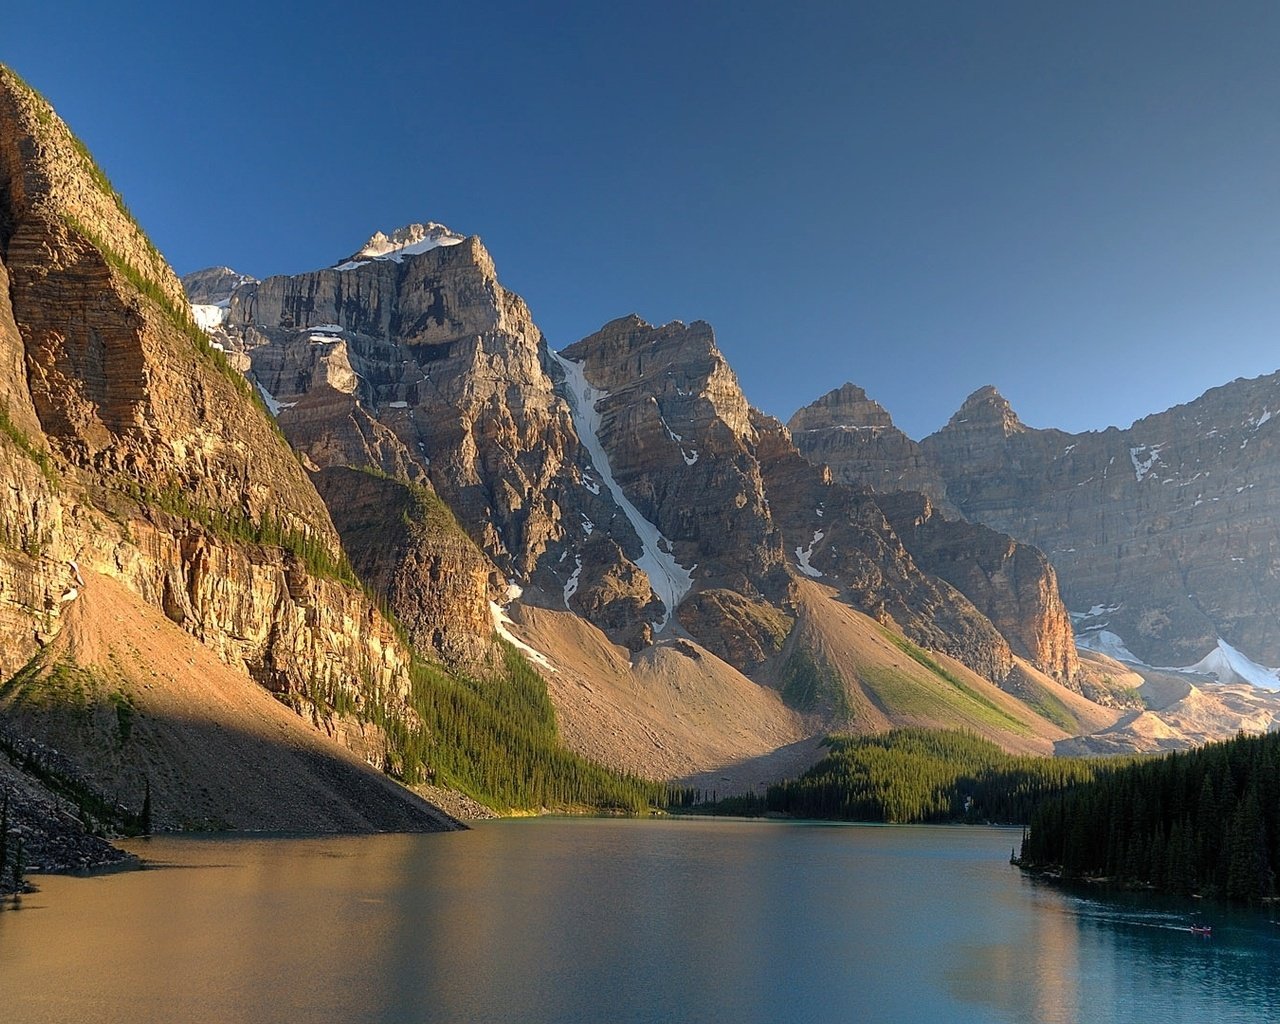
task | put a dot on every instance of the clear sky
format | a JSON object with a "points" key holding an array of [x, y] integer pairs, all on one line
{"points": [[1078, 202]]}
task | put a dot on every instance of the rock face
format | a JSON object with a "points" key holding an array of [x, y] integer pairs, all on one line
{"points": [[411, 357], [679, 439], [214, 286], [1012, 584], [130, 449], [855, 436], [407, 546], [1164, 534], [730, 494], [841, 537]]}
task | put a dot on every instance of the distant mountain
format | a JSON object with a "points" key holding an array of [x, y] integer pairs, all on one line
{"points": [[1165, 536]]}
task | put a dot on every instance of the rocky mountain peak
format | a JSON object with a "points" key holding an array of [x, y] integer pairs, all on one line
{"points": [[855, 436], [404, 241], [679, 364], [987, 407], [213, 286], [846, 406]]}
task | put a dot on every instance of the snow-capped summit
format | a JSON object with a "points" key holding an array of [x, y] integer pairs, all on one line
{"points": [[406, 241]]}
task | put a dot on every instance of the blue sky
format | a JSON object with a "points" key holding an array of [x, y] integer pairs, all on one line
{"points": [[1078, 202]]}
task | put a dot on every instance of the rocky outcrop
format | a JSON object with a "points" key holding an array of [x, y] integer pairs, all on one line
{"points": [[743, 632], [678, 434], [404, 543], [855, 436], [840, 536], [213, 286], [1012, 584]]}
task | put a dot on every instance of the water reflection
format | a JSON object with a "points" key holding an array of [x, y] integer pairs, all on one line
{"points": [[616, 921], [1128, 958]]}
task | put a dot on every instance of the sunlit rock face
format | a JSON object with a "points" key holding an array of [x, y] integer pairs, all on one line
{"points": [[1163, 535], [411, 358], [132, 454]]}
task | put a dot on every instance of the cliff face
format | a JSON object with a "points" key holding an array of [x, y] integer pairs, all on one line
{"points": [[406, 545], [134, 453], [1164, 534], [732, 497], [680, 443]]}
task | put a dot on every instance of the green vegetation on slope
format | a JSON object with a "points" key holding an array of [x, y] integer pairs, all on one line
{"points": [[1204, 821], [495, 739], [179, 317], [809, 684], [235, 525], [988, 708], [82, 696], [919, 775], [24, 445]]}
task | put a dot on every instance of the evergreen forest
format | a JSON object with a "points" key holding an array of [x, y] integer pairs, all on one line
{"points": [[1203, 822], [915, 776]]}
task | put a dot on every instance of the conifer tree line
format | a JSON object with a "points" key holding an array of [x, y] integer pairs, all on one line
{"points": [[918, 776], [1202, 822], [495, 739]]}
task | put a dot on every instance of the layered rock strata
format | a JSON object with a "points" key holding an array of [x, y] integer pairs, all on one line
{"points": [[132, 450]]}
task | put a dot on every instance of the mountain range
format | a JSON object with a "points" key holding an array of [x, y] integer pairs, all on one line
{"points": [[242, 520]]}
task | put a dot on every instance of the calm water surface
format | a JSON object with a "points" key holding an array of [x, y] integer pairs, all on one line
{"points": [[617, 921]]}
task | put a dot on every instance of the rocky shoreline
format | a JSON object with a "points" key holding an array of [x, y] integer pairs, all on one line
{"points": [[47, 833]]}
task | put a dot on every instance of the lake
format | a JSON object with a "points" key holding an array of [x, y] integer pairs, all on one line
{"points": [[598, 920]]}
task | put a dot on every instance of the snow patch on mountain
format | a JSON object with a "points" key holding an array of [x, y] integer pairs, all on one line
{"points": [[571, 584], [210, 316], [1224, 663], [1143, 458], [1228, 665], [500, 624], [804, 554], [1106, 642], [409, 240], [668, 578], [269, 400]]}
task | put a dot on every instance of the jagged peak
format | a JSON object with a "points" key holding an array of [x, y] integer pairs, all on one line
{"points": [[408, 240], [988, 406], [844, 407], [213, 286]]}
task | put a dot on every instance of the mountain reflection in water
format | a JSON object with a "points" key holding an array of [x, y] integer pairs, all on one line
{"points": [[627, 921]]}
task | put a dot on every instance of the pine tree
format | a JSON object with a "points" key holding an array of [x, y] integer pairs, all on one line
{"points": [[144, 819], [4, 838]]}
